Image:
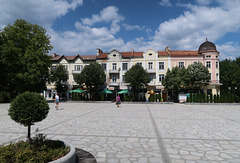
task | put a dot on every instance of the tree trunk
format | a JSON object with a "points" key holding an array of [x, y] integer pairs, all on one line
{"points": [[29, 133]]}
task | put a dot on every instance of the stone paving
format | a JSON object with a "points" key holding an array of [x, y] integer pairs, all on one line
{"points": [[140, 133]]}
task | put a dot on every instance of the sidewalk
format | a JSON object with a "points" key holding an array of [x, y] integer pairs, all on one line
{"points": [[139, 133]]}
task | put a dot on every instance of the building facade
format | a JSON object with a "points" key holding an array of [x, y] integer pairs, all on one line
{"points": [[156, 63]]}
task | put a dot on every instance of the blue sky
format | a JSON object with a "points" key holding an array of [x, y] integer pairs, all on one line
{"points": [[82, 26]]}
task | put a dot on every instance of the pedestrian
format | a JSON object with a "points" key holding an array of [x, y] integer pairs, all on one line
{"points": [[57, 101], [118, 101]]}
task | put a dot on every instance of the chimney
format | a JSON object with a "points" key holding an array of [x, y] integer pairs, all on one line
{"points": [[132, 52], [167, 49], [99, 51], [54, 55]]}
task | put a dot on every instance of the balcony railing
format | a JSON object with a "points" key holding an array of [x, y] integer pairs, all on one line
{"points": [[113, 83], [114, 71], [151, 70], [215, 82], [76, 71]]}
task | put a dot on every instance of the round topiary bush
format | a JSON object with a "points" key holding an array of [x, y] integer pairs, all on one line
{"points": [[28, 108]]}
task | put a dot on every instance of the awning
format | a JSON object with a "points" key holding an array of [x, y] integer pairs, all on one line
{"points": [[125, 91], [106, 91], [76, 91]]}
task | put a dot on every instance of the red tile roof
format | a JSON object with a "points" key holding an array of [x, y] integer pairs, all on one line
{"points": [[184, 53], [102, 56], [71, 58]]}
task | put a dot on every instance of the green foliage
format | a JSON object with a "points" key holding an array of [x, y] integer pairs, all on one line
{"points": [[24, 60], [91, 76], [175, 78], [230, 77], [197, 75], [59, 75], [137, 77], [4, 97], [211, 98], [41, 150], [28, 108]]}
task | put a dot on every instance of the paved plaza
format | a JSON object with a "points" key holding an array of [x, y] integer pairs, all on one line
{"points": [[140, 133]]}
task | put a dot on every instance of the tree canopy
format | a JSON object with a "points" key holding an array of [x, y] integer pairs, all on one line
{"points": [[230, 77], [197, 75], [24, 61], [91, 76], [28, 108], [175, 78], [137, 77], [59, 75]]}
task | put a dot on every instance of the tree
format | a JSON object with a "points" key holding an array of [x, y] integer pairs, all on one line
{"points": [[59, 75], [230, 77], [175, 78], [197, 75], [91, 76], [28, 108], [24, 61], [137, 77]]}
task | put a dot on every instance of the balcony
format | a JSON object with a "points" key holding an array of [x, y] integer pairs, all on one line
{"points": [[114, 84], [114, 71], [76, 71], [215, 82], [151, 71]]}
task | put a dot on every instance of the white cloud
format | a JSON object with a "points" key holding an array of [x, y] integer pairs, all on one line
{"points": [[204, 2], [132, 27], [107, 15], [229, 50], [165, 3], [190, 29], [41, 12]]}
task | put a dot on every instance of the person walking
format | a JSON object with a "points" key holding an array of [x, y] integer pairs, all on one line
{"points": [[57, 101], [118, 101]]}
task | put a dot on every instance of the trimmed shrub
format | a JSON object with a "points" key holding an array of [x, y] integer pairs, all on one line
{"points": [[211, 98], [41, 150], [28, 108]]}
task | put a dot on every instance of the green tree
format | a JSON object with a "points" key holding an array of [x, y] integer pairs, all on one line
{"points": [[59, 76], [197, 75], [175, 79], [28, 108], [24, 59], [91, 76], [230, 77], [137, 77]]}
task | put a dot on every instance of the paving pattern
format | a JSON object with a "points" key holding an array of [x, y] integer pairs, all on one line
{"points": [[140, 133]]}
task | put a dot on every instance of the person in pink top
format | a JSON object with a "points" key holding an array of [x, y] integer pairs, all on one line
{"points": [[118, 101]]}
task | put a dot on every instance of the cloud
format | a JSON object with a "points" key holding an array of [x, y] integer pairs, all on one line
{"points": [[204, 2], [229, 50], [41, 12], [132, 27], [191, 28], [107, 15], [165, 3]]}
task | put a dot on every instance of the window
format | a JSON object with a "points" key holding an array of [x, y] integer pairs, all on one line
{"points": [[208, 56], [114, 66], [217, 76], [124, 66], [180, 64], [161, 77], [123, 78], [78, 67], [208, 64], [161, 65], [150, 65], [114, 55], [53, 67], [217, 66], [104, 66], [151, 78], [150, 53], [139, 63], [114, 78], [65, 67]]}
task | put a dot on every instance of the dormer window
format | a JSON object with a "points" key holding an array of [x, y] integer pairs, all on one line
{"points": [[150, 54], [208, 56], [114, 55]]}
